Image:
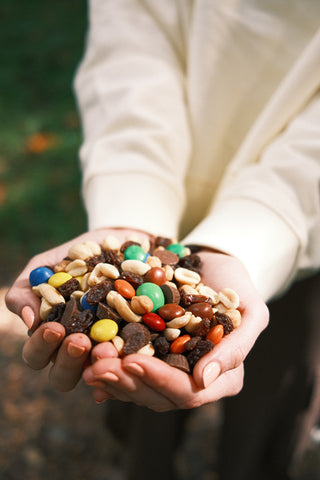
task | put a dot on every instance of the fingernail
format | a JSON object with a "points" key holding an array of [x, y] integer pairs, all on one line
{"points": [[110, 377], [50, 336], [135, 369], [210, 373], [75, 351], [28, 316]]}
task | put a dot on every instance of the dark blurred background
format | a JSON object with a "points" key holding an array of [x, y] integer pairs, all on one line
{"points": [[40, 201]]}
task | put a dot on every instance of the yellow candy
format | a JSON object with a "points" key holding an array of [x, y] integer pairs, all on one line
{"points": [[58, 279], [104, 330]]}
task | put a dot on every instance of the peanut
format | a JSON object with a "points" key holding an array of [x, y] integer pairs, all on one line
{"points": [[116, 301]]}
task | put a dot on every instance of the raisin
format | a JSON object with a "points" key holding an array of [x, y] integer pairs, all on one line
{"points": [[67, 288], [161, 345], [93, 261], [188, 299], [98, 292], [203, 328], [202, 347], [127, 244], [56, 312], [162, 242], [133, 278], [79, 323], [191, 262], [111, 256], [225, 321], [192, 343]]}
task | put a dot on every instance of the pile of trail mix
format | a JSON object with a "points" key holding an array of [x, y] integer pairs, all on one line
{"points": [[144, 297]]}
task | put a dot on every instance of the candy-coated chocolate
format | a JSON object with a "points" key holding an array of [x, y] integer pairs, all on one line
{"points": [[85, 305], [124, 288], [104, 330], [201, 309], [40, 275], [135, 252], [179, 344], [156, 275], [169, 311], [154, 321], [152, 291], [215, 334], [58, 279], [177, 248]]}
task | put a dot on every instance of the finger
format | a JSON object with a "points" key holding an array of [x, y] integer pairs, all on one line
{"points": [[40, 347], [233, 348], [101, 395], [125, 386], [69, 363], [104, 350]]}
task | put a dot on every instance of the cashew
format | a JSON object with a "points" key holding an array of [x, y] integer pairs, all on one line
{"points": [[141, 304], [171, 333], [186, 276], [135, 266], [147, 350], [229, 298], [180, 322], [111, 243], [77, 268], [120, 304], [118, 342], [49, 293], [193, 323], [102, 271]]}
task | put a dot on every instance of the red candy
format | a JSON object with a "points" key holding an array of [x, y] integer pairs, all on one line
{"points": [[154, 321]]}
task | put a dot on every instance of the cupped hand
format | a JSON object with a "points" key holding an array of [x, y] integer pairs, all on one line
{"points": [[48, 341], [152, 383]]}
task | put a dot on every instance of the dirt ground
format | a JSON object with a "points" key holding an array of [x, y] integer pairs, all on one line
{"points": [[48, 435]]}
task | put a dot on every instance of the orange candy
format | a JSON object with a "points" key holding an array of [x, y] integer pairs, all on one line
{"points": [[178, 345], [124, 288], [215, 334]]}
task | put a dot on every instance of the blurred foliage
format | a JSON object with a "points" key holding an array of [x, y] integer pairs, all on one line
{"points": [[40, 193]]}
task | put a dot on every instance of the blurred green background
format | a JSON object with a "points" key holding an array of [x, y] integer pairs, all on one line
{"points": [[42, 43]]}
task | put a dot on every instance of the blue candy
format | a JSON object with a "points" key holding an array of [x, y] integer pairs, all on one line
{"points": [[40, 275], [85, 305]]}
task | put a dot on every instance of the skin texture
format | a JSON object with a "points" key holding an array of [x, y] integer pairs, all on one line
{"points": [[138, 378]]}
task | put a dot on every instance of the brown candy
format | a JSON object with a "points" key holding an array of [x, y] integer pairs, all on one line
{"points": [[201, 309], [171, 293], [155, 275], [169, 311], [166, 257]]}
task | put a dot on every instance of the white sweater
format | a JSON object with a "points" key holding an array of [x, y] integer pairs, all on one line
{"points": [[202, 122]]}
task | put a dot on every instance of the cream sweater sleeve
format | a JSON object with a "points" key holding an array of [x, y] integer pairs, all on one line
{"points": [[268, 213], [130, 88]]}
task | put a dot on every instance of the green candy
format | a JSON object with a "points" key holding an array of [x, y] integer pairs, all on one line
{"points": [[177, 248], [135, 252], [152, 291]]}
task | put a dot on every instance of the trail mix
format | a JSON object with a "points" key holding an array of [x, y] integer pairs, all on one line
{"points": [[144, 297]]}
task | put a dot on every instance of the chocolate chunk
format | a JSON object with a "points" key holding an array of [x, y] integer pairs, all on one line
{"points": [[104, 311], [178, 361], [171, 293], [71, 309], [79, 322], [166, 257], [202, 347], [135, 337]]}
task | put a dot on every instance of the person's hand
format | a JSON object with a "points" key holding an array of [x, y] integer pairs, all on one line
{"points": [[150, 382], [48, 341]]}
